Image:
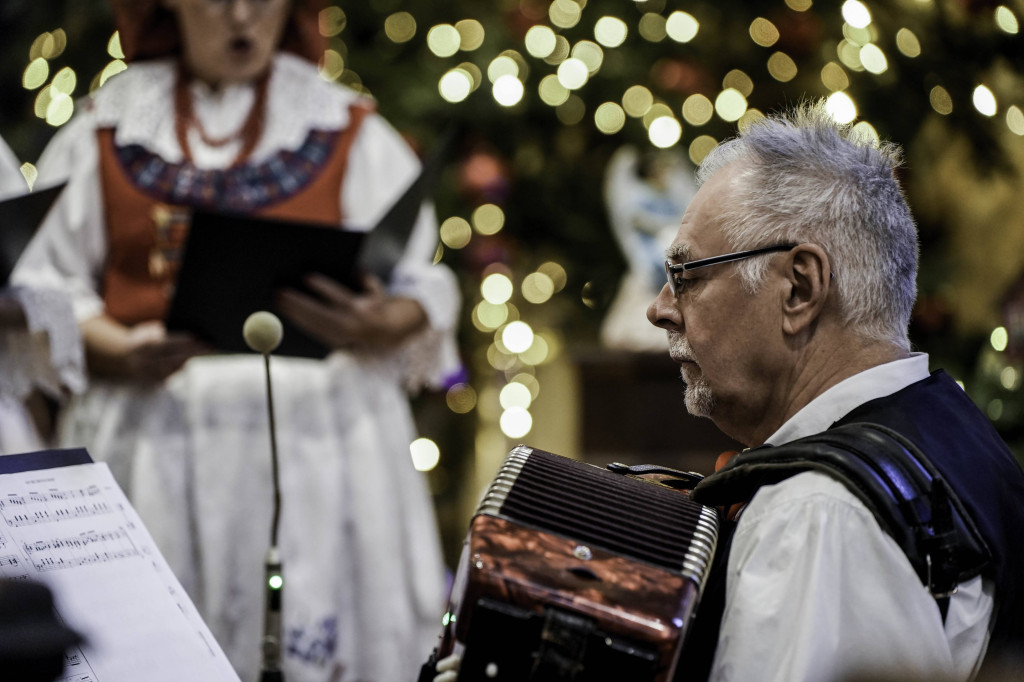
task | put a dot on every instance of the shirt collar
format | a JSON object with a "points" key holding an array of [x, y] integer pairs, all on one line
{"points": [[839, 400]]}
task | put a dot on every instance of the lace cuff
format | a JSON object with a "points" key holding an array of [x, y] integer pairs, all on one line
{"points": [[48, 355], [431, 357]]}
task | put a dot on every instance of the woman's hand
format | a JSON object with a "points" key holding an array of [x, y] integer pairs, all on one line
{"points": [[145, 352], [343, 319]]}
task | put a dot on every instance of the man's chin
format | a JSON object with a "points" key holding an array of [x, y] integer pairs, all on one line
{"points": [[698, 400]]}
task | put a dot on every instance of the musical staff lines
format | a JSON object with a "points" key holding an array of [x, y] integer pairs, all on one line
{"points": [[52, 506], [85, 548], [12, 568]]}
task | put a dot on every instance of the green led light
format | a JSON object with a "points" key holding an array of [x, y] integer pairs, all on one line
{"points": [[275, 582]]}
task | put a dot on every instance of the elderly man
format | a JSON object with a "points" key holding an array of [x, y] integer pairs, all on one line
{"points": [[790, 287]]}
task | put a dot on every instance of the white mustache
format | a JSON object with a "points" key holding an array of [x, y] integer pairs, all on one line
{"points": [[679, 348]]}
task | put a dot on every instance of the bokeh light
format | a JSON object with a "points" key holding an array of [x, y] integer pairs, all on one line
{"points": [[856, 13], [907, 43], [508, 90], [565, 13], [873, 59], [681, 27], [540, 41], [652, 27], [590, 54], [515, 394], [455, 232], [502, 65], [425, 454], [461, 398], [488, 219], [332, 21], [739, 80], [701, 147], [834, 77], [763, 32], [551, 91], [455, 85], [537, 287], [556, 272], [940, 100], [489, 316], [665, 131], [1009, 378], [517, 336], [496, 288], [609, 118], [36, 73], [637, 100], [781, 67], [572, 110], [1015, 120], [471, 34], [1006, 20], [999, 338], [515, 422], [841, 107], [984, 101], [332, 65], [730, 104], [443, 40], [114, 46], [573, 74], [610, 31], [539, 352], [697, 110]]}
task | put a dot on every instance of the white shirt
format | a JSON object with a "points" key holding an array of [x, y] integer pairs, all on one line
{"points": [[815, 590]]}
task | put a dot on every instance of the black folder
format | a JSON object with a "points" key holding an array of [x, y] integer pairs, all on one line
{"points": [[233, 264], [19, 218]]}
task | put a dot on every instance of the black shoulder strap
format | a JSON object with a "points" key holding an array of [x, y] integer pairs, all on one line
{"points": [[888, 473]]}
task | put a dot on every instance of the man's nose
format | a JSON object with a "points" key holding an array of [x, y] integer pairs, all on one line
{"points": [[663, 311]]}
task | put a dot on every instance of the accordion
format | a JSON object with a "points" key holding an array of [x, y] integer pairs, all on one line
{"points": [[571, 571]]}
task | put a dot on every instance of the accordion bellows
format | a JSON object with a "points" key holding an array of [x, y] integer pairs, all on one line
{"points": [[577, 572]]}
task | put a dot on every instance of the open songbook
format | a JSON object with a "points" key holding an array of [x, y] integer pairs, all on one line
{"points": [[65, 523], [233, 264]]}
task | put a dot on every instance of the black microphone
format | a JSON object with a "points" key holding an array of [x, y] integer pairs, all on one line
{"points": [[263, 331]]}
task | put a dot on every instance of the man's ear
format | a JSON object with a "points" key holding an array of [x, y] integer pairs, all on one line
{"points": [[808, 274]]}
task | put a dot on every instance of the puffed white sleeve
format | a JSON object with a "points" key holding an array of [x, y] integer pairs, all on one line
{"points": [[380, 168], [57, 276]]}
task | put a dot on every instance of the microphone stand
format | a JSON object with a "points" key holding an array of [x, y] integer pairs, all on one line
{"points": [[270, 666]]}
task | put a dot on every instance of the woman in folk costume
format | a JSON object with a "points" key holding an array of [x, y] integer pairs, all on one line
{"points": [[222, 107]]}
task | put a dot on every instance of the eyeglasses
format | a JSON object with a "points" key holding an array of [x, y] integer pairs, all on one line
{"points": [[674, 271]]}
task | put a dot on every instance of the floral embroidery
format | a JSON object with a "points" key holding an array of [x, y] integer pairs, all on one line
{"points": [[241, 188]]}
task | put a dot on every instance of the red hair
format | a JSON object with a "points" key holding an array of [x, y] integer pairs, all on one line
{"points": [[148, 30]]}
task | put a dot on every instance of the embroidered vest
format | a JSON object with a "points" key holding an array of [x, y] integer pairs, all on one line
{"points": [[147, 202]]}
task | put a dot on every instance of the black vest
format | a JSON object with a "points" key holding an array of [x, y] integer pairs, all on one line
{"points": [[939, 418]]}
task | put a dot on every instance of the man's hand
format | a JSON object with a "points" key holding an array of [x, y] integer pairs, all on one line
{"points": [[342, 319]]}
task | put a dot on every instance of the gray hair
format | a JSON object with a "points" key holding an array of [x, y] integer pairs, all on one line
{"points": [[807, 178]]}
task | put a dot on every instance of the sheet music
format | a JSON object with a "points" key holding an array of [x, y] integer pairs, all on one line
{"points": [[73, 529]]}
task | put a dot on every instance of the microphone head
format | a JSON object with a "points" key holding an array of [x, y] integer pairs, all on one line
{"points": [[262, 331]]}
